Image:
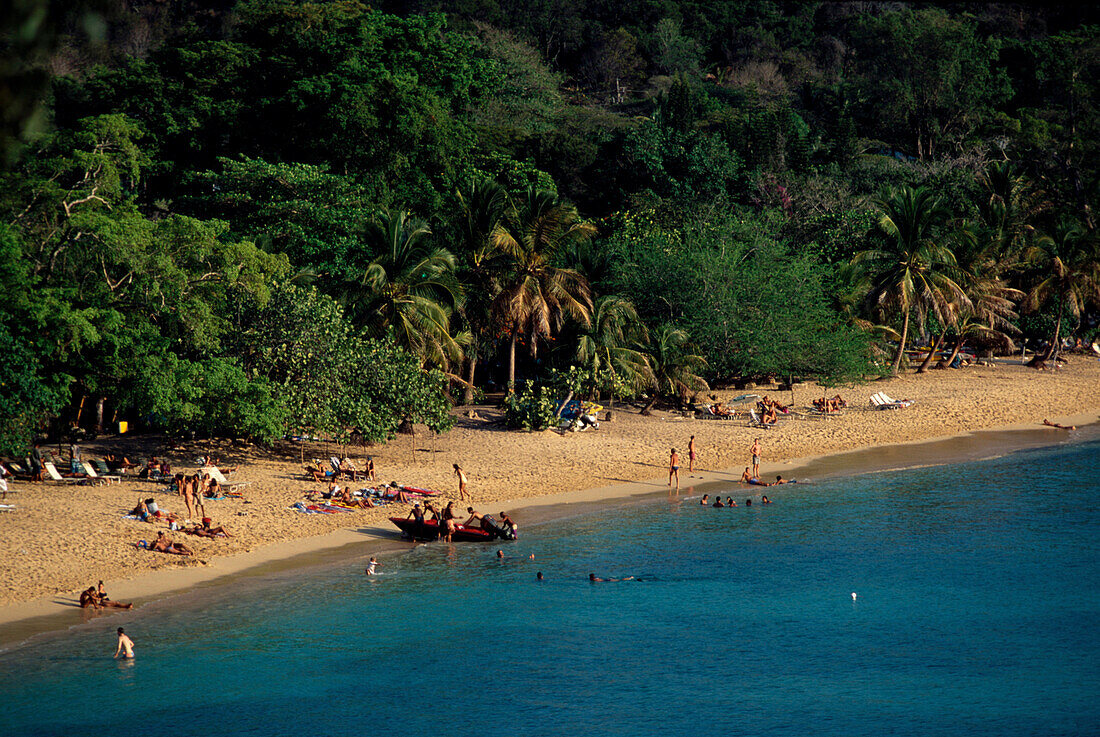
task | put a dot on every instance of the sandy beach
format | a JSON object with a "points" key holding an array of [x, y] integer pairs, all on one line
{"points": [[60, 539]]}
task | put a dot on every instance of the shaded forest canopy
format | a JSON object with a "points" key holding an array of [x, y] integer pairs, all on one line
{"points": [[266, 216]]}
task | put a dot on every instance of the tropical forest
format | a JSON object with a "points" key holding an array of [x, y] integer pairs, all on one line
{"points": [[335, 218]]}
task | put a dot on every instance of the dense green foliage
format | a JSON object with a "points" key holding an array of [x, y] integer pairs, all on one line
{"points": [[268, 216]]}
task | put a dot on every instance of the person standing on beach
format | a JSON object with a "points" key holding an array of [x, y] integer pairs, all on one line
{"points": [[755, 450], [674, 468], [463, 494], [125, 646], [691, 455]]}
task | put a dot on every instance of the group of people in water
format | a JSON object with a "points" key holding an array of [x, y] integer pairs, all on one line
{"points": [[705, 501]]}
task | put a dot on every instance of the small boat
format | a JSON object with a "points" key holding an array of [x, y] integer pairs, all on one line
{"points": [[429, 530]]}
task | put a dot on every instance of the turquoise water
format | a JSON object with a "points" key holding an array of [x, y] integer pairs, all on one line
{"points": [[976, 614]]}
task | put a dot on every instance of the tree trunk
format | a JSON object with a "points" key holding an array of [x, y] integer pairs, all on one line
{"points": [[1054, 343], [901, 344], [561, 407], [935, 348], [80, 408], [512, 361], [646, 411], [955, 353], [99, 415], [471, 365]]}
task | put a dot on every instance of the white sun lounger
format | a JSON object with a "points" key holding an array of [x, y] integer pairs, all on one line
{"points": [[882, 401], [217, 475], [51, 471], [106, 478]]}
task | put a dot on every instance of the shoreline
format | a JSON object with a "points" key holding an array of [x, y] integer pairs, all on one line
{"points": [[22, 621]]}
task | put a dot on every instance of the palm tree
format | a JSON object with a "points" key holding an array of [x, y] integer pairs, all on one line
{"points": [[675, 366], [1069, 262], [481, 205], [535, 294], [409, 288], [990, 312], [912, 271], [612, 341], [1009, 204]]}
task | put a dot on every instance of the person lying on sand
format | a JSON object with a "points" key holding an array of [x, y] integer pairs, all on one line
{"points": [[1048, 423], [207, 530], [163, 544], [396, 494], [346, 497]]}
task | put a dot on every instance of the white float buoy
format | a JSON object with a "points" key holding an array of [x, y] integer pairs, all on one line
{"points": [[853, 596]]}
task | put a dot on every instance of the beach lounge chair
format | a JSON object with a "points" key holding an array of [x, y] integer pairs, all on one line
{"points": [[756, 421], [100, 478], [215, 474], [53, 475], [104, 470], [882, 401]]}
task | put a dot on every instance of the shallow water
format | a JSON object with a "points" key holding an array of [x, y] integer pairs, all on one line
{"points": [[976, 612]]}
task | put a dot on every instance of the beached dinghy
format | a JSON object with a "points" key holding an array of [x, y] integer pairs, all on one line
{"points": [[429, 530]]}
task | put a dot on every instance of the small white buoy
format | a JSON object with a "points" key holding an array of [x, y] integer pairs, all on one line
{"points": [[853, 596]]}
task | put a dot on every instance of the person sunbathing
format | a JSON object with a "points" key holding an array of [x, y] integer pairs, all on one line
{"points": [[206, 530], [769, 417], [164, 544], [397, 494], [1048, 423], [346, 498]]}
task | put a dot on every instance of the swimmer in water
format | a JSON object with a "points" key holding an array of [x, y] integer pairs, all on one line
{"points": [[538, 576], [703, 501], [592, 578], [125, 646], [371, 566], [765, 500]]}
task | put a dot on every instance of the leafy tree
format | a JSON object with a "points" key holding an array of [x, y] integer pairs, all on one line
{"points": [[535, 294], [674, 53], [332, 381], [304, 211], [927, 78]]}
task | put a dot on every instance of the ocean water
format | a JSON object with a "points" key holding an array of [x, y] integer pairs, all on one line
{"points": [[977, 613]]}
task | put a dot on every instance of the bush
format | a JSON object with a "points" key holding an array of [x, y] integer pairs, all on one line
{"points": [[532, 409]]}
